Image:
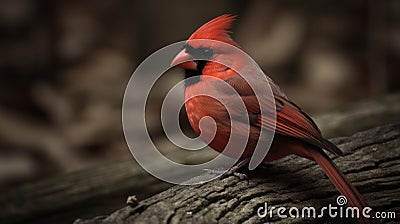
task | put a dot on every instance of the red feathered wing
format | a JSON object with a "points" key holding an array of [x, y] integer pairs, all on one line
{"points": [[290, 119]]}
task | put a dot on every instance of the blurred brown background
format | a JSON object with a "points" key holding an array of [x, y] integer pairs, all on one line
{"points": [[65, 65]]}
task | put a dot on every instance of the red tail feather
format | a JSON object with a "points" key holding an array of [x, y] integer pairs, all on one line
{"points": [[340, 181]]}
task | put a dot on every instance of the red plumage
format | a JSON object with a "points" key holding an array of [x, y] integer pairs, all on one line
{"points": [[296, 132], [216, 29]]}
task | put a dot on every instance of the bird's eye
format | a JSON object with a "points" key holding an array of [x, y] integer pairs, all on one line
{"points": [[201, 53], [206, 53]]}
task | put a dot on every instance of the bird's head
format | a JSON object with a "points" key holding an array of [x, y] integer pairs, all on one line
{"points": [[205, 45]]}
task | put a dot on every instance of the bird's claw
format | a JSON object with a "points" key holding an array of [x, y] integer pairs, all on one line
{"points": [[231, 171], [224, 174], [241, 176]]}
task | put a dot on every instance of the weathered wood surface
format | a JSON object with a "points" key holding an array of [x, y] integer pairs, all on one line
{"points": [[101, 190], [371, 161], [60, 199]]}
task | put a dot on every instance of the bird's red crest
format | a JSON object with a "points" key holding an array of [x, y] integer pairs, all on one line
{"points": [[216, 29]]}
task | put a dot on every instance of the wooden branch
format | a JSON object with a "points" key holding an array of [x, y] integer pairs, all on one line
{"points": [[371, 161], [101, 190], [88, 192]]}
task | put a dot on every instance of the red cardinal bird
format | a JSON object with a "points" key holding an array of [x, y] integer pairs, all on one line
{"points": [[295, 133]]}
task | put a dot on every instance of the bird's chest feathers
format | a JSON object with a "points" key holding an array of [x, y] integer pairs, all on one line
{"points": [[201, 102]]}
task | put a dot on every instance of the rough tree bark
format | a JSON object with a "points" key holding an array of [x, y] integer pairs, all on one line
{"points": [[91, 192], [371, 161]]}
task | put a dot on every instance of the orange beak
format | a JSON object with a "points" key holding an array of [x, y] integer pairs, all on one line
{"points": [[184, 60]]}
